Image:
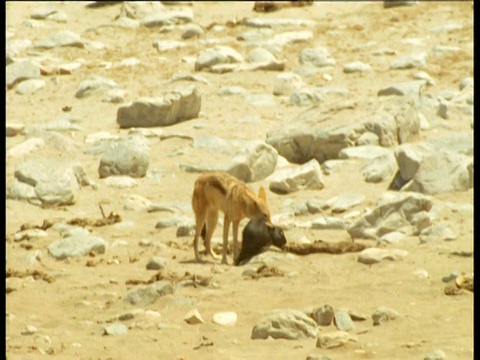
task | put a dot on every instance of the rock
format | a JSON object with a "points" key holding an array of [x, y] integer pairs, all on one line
{"points": [[380, 168], [260, 55], [334, 339], [318, 57], [13, 129], [446, 28], [114, 329], [263, 22], [44, 182], [136, 203], [192, 31], [290, 37], [306, 96], [114, 96], [259, 99], [173, 107], [60, 39], [225, 318], [410, 62], [440, 172], [422, 75], [286, 83], [328, 222], [392, 237], [29, 330], [436, 355], [94, 85], [148, 295], [254, 163], [77, 245], [156, 263], [20, 71], [346, 201], [363, 152], [373, 255], [356, 66], [437, 232], [394, 3], [384, 314], [125, 157], [14, 47], [343, 322], [43, 12], [193, 317], [466, 82], [173, 221], [367, 138], [120, 182], [27, 147], [323, 315], [306, 176], [410, 156], [231, 90], [285, 324], [138, 10], [29, 86], [165, 45], [217, 55], [162, 18], [442, 50], [412, 88]]}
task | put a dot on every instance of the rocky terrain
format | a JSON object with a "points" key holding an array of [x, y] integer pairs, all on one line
{"points": [[358, 119]]}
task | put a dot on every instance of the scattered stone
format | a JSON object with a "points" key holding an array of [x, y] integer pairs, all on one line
{"points": [[306, 96], [193, 317], [29, 234], [380, 168], [114, 329], [192, 31], [126, 157], [27, 147], [285, 324], [384, 314], [156, 263], [60, 39], [410, 88], [446, 28], [306, 176], [286, 83], [217, 55], [356, 66], [343, 322], [346, 201], [318, 57], [256, 161], [328, 223], [452, 276], [148, 295], [136, 203], [173, 107], [373, 255], [259, 99], [20, 71], [29, 86], [334, 339], [466, 82], [94, 85], [77, 245], [162, 18], [323, 315], [260, 55], [120, 181], [263, 22], [436, 233], [173, 221], [436, 355], [422, 75], [29, 330], [165, 45], [225, 318], [363, 152], [115, 96], [410, 62], [231, 90], [392, 237]]}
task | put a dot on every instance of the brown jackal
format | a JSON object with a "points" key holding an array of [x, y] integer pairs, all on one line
{"points": [[217, 191]]}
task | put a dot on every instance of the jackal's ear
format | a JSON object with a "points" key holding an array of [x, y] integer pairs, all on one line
{"points": [[262, 194]]}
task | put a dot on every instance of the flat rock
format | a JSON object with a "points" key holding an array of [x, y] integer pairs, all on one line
{"points": [[346, 201], [306, 176], [60, 39], [343, 322], [373, 255], [225, 318], [173, 221], [286, 83], [156, 263], [384, 314], [124, 157], [120, 182], [412, 88], [260, 55], [148, 295], [304, 96], [217, 55], [29, 86], [165, 45], [380, 168], [274, 23], [136, 203], [77, 245], [328, 222], [25, 148], [285, 324], [318, 57], [192, 31], [355, 67], [363, 152], [436, 233], [114, 329], [170, 108], [334, 339], [162, 18], [94, 85], [410, 61], [20, 71]]}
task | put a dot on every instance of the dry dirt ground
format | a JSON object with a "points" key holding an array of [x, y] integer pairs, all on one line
{"points": [[69, 311]]}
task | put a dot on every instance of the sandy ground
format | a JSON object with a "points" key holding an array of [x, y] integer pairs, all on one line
{"points": [[69, 312]]}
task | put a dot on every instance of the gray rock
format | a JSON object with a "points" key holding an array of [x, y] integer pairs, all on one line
{"points": [[367, 138], [138, 10], [156, 263], [393, 215], [380, 168], [260, 99], [356, 66], [392, 237], [172, 107], [437, 232], [114, 329], [436, 355], [76, 245], [192, 31], [285, 83], [94, 85], [410, 61], [467, 81], [346, 201], [30, 86], [257, 161], [306, 176], [259, 55], [44, 182], [440, 172], [316, 206], [323, 315], [231, 90], [412, 88], [63, 124], [343, 322], [148, 295], [306, 96], [318, 57], [334, 339], [60, 39], [363, 152], [328, 223], [452, 276], [165, 45], [20, 71], [285, 324], [136, 203], [14, 47], [373, 255], [217, 55], [126, 157], [43, 12], [410, 156], [422, 75], [384, 314], [120, 182], [162, 18], [53, 139], [114, 96], [29, 146], [173, 222]]}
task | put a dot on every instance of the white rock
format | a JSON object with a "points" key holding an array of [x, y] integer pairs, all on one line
{"points": [[225, 318], [193, 317]]}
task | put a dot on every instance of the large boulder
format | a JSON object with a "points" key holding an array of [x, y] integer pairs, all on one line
{"points": [[306, 176], [171, 108]]}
